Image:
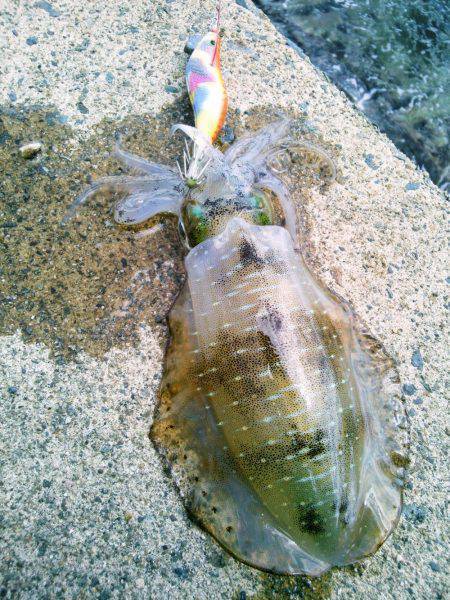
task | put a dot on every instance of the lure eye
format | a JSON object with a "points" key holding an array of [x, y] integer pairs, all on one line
{"points": [[212, 42]]}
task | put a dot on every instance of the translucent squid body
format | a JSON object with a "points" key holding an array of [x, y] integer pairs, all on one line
{"points": [[280, 419]]}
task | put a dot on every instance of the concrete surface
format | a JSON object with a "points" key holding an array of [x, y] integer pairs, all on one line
{"points": [[86, 509]]}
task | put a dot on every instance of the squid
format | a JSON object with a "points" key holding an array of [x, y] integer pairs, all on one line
{"points": [[280, 416]]}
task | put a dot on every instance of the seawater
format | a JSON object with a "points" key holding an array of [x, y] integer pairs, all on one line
{"points": [[391, 57]]}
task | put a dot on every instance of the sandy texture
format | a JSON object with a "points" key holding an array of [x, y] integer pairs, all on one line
{"points": [[85, 507]]}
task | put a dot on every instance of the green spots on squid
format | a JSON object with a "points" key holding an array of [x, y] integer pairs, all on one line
{"points": [[204, 219], [262, 218], [196, 223], [262, 210]]}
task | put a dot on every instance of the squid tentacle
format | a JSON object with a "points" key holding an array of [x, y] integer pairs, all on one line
{"points": [[254, 148], [144, 186], [293, 145], [279, 188], [141, 164]]}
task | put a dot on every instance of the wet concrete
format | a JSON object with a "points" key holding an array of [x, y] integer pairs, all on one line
{"points": [[86, 285]]}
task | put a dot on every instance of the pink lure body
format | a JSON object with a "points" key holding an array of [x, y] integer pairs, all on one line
{"points": [[205, 85]]}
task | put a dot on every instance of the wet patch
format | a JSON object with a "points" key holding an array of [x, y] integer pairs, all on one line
{"points": [[273, 319], [89, 285], [302, 587], [317, 445]]}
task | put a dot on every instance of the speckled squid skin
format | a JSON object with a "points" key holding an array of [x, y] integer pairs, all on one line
{"points": [[280, 420]]}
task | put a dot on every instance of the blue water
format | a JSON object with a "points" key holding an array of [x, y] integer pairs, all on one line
{"points": [[392, 58]]}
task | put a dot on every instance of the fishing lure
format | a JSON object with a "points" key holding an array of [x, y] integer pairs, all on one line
{"points": [[205, 84], [281, 421]]}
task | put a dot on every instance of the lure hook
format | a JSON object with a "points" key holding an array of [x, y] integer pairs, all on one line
{"points": [[217, 31]]}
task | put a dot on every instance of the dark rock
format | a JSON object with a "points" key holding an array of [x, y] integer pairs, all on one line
{"points": [[32, 40], [82, 108], [4, 137], [434, 566], [181, 572], [370, 161], [409, 389], [227, 135], [242, 3], [426, 386], [417, 360], [12, 390], [171, 89], [48, 8], [304, 106], [217, 559], [412, 186], [82, 47], [414, 513], [42, 548]]}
